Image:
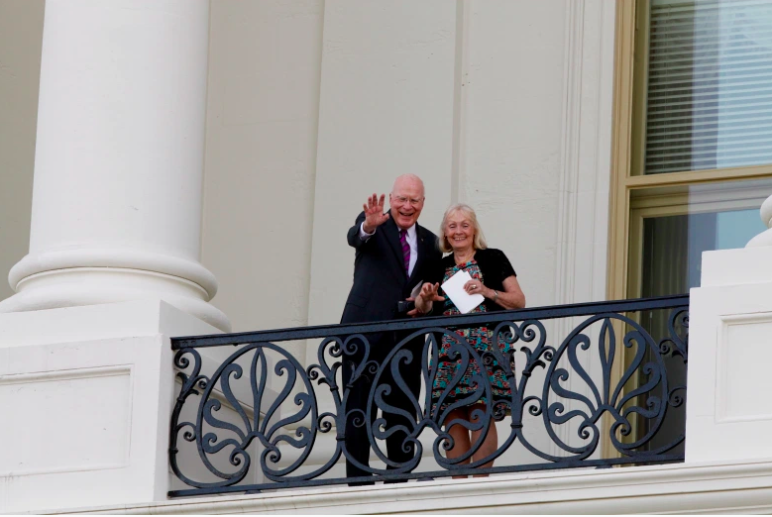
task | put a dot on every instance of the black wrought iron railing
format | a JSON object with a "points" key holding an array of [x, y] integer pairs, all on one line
{"points": [[594, 384]]}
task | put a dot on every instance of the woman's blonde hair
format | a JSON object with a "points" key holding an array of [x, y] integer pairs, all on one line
{"points": [[479, 237]]}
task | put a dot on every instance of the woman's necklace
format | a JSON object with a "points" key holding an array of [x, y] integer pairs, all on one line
{"points": [[462, 259]]}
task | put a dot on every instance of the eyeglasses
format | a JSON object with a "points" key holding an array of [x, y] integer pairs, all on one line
{"points": [[402, 200]]}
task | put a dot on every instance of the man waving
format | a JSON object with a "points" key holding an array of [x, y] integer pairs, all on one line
{"points": [[393, 252]]}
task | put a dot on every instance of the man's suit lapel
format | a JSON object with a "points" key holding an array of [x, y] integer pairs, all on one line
{"points": [[392, 235]]}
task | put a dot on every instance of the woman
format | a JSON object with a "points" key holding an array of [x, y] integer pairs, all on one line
{"points": [[493, 277]]}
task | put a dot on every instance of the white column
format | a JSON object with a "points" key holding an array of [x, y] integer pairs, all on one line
{"points": [[116, 217], [117, 200]]}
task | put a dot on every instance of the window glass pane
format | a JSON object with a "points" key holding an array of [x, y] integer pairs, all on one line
{"points": [[676, 224], [709, 92], [673, 246]]}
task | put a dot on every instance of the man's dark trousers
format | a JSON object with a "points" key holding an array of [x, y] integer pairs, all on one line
{"points": [[358, 442], [380, 283]]}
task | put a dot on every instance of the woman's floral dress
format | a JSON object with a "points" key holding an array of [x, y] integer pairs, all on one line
{"points": [[479, 337]]}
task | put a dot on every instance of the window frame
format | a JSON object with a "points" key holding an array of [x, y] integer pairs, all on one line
{"points": [[669, 205], [630, 77], [631, 41]]}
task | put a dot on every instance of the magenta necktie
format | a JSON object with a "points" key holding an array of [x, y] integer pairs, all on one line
{"points": [[405, 249]]}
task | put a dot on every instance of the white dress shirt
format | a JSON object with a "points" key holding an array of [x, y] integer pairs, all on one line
{"points": [[412, 241]]}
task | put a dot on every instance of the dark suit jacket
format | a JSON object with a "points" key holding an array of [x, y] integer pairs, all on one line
{"points": [[380, 279]]}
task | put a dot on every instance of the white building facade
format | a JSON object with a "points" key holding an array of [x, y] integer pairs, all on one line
{"points": [[187, 167]]}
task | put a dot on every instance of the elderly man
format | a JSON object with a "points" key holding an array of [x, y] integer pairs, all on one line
{"points": [[393, 253]]}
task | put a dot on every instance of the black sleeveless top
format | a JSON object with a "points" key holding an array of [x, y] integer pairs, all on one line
{"points": [[494, 266]]}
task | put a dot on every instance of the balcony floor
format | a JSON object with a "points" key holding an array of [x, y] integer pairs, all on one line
{"points": [[728, 487]]}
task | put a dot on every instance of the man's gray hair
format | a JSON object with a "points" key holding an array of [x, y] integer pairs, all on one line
{"points": [[408, 176]]}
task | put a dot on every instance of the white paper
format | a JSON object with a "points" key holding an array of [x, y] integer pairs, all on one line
{"points": [[454, 288]]}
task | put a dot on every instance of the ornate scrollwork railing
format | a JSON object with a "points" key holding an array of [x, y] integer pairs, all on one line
{"points": [[595, 384]]}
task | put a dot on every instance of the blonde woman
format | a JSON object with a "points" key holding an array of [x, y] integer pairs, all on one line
{"points": [[495, 279]]}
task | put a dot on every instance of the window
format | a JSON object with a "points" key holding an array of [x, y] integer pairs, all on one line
{"points": [[708, 84], [692, 156], [693, 129]]}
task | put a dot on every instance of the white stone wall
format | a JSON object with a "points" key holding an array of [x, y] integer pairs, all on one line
{"points": [[263, 103], [315, 105], [510, 170], [312, 105], [91, 390]]}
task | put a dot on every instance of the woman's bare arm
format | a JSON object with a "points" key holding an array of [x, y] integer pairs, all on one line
{"points": [[512, 297]]}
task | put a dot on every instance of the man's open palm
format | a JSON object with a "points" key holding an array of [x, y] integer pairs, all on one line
{"points": [[374, 216]]}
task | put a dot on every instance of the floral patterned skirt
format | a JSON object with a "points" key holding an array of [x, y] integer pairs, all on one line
{"points": [[448, 372]]}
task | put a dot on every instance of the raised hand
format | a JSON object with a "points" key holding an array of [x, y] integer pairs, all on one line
{"points": [[374, 216], [426, 299], [429, 292]]}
